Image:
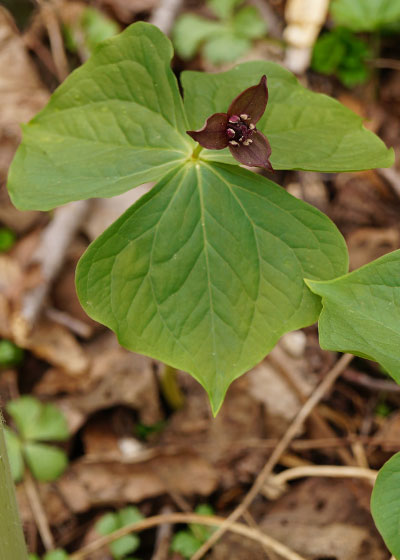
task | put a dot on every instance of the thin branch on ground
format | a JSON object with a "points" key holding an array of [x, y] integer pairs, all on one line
{"points": [[163, 538], [284, 443], [52, 25], [38, 512], [49, 256], [212, 521], [392, 177], [164, 15], [322, 471], [388, 63], [275, 25], [369, 382]]}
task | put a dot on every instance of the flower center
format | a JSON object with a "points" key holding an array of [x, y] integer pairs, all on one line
{"points": [[240, 130]]}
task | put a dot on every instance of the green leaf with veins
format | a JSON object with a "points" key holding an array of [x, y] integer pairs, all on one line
{"points": [[365, 15], [206, 271], [361, 312], [306, 130], [385, 504], [115, 123]]}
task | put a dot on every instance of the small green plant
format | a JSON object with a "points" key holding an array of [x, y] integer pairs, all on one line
{"points": [[211, 267], [7, 239], [341, 53], [57, 554], [91, 28], [10, 354], [110, 522], [366, 15], [221, 40], [188, 541], [36, 423]]}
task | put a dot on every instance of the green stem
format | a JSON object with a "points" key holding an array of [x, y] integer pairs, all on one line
{"points": [[12, 542], [196, 151], [170, 388]]}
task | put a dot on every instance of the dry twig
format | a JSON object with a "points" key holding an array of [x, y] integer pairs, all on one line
{"points": [[55, 36], [213, 521], [290, 433], [164, 15], [38, 512], [50, 255]]}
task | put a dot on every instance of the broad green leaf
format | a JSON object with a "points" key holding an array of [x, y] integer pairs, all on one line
{"points": [[206, 271], [38, 421], [365, 15], [361, 312], [249, 23], [385, 504], [45, 462], [115, 123], [306, 130], [190, 31], [14, 454], [226, 47]]}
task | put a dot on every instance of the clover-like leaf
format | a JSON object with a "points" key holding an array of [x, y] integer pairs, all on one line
{"points": [[45, 462], [110, 522], [361, 312], [38, 421], [306, 130], [14, 452], [115, 123], [213, 297], [385, 504], [365, 15]]}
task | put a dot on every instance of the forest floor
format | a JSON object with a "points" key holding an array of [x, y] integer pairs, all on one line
{"points": [[129, 443]]}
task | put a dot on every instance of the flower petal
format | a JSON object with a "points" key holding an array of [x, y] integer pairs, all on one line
{"points": [[255, 154], [252, 102], [213, 134]]}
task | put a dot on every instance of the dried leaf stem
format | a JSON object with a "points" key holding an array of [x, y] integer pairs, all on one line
{"points": [[283, 444], [238, 528]]}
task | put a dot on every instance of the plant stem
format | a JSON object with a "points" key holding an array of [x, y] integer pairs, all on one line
{"points": [[170, 388], [197, 151], [12, 542]]}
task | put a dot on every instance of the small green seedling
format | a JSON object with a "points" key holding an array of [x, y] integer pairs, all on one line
{"points": [[366, 15], [57, 554], [341, 53], [36, 423], [7, 239], [110, 522], [10, 354], [90, 29], [188, 541], [222, 40], [144, 431]]}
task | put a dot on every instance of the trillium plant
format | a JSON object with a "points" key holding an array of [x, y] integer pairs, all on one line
{"points": [[216, 262]]}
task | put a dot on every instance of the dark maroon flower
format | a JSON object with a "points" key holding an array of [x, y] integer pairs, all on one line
{"points": [[236, 129]]}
